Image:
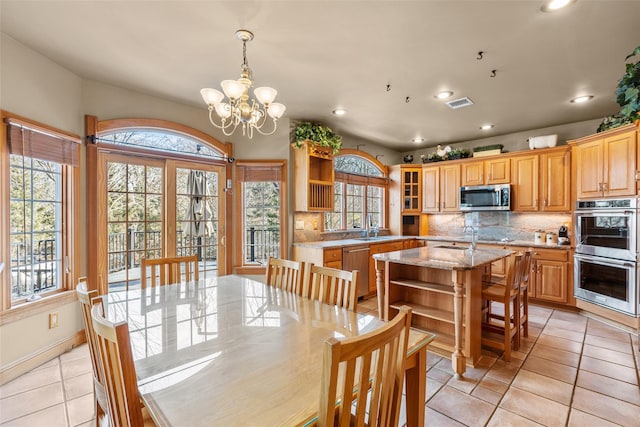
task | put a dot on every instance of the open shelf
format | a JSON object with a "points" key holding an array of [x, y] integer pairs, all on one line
{"points": [[428, 312], [427, 286]]}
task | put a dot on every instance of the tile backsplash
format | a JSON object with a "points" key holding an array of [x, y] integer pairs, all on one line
{"points": [[491, 225], [497, 225]]}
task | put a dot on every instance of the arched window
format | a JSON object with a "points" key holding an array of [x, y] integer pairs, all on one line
{"points": [[360, 191]]}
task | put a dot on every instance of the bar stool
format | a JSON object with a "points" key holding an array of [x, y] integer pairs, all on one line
{"points": [[499, 335]]}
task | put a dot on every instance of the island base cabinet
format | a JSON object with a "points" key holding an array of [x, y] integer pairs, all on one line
{"points": [[433, 295]]}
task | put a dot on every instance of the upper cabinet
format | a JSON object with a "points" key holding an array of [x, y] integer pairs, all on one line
{"points": [[541, 181], [486, 172], [441, 188], [605, 163], [314, 176], [411, 189]]}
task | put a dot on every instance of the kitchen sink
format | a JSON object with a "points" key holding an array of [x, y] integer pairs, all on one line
{"points": [[459, 248], [367, 239]]}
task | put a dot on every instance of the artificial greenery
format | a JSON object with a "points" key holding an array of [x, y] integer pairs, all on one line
{"points": [[458, 153], [627, 96], [320, 135], [488, 147]]}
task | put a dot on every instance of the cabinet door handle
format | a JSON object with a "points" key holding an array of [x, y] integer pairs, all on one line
{"points": [[544, 203], [535, 203]]}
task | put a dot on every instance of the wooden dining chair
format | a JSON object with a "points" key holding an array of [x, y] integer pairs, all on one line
{"points": [[500, 334], [164, 271], [85, 296], [285, 274], [334, 286], [116, 361], [365, 374], [523, 299]]}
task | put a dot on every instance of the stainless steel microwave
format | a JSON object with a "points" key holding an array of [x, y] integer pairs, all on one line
{"points": [[485, 198]]}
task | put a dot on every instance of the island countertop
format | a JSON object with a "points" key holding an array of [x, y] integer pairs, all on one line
{"points": [[454, 258]]}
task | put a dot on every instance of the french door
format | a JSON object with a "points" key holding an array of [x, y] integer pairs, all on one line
{"points": [[159, 208]]}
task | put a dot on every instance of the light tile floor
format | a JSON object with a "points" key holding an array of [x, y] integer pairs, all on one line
{"points": [[571, 371]]}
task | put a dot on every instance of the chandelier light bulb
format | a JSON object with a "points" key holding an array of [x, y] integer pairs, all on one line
{"points": [[276, 110], [223, 110], [232, 88], [265, 94], [211, 96], [238, 109]]}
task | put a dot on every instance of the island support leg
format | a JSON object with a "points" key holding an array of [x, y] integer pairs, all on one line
{"points": [[458, 362], [380, 287]]}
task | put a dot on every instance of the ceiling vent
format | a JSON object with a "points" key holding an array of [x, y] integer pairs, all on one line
{"points": [[460, 103]]}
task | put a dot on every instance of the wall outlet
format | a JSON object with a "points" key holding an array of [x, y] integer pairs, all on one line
{"points": [[53, 320], [299, 225], [315, 225]]}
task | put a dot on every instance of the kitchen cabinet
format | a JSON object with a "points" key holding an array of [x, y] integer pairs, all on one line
{"points": [[541, 181], [487, 172], [405, 201], [441, 188], [555, 177], [549, 279], [313, 178], [524, 188], [411, 189], [328, 257], [378, 248], [332, 258], [605, 163]]}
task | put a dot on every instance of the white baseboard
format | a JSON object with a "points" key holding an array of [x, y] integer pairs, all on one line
{"points": [[33, 360]]}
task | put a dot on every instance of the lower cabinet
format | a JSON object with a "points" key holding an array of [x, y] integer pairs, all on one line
{"points": [[378, 248], [549, 278]]}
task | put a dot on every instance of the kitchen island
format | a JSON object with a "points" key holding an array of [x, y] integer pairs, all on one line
{"points": [[443, 286]]}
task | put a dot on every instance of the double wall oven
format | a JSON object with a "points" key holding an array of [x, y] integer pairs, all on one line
{"points": [[606, 256]]}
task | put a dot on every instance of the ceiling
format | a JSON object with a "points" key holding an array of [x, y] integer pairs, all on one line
{"points": [[321, 55]]}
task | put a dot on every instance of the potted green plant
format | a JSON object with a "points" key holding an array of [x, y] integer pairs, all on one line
{"points": [[318, 134], [432, 157], [627, 96], [458, 153]]}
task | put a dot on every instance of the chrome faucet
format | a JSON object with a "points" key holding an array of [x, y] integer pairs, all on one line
{"points": [[474, 236], [367, 225]]}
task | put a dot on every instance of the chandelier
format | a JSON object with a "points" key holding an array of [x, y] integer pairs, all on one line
{"points": [[237, 109]]}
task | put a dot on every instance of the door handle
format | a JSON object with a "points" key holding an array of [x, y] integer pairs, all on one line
{"points": [[358, 250]]}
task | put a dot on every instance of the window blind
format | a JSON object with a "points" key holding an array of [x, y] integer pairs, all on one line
{"points": [[36, 143], [261, 173]]}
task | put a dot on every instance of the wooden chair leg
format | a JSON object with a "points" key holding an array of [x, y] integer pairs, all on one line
{"points": [[507, 333]]}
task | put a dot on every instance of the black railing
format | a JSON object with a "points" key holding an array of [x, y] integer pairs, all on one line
{"points": [[261, 243], [33, 268], [126, 249]]}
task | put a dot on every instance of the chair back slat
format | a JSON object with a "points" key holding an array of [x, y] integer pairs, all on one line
{"points": [[85, 296], [165, 271], [333, 286], [285, 274], [368, 373], [116, 359]]}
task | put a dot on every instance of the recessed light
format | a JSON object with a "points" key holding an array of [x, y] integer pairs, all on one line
{"points": [[553, 5], [444, 94], [418, 140], [486, 127], [581, 99], [339, 112]]}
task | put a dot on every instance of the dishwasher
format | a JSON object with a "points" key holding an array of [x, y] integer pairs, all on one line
{"points": [[357, 258]]}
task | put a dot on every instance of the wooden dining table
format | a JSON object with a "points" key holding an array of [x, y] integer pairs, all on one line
{"points": [[235, 352]]}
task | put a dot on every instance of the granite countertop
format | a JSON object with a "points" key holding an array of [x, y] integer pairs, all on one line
{"points": [[443, 258], [328, 244], [499, 242]]}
